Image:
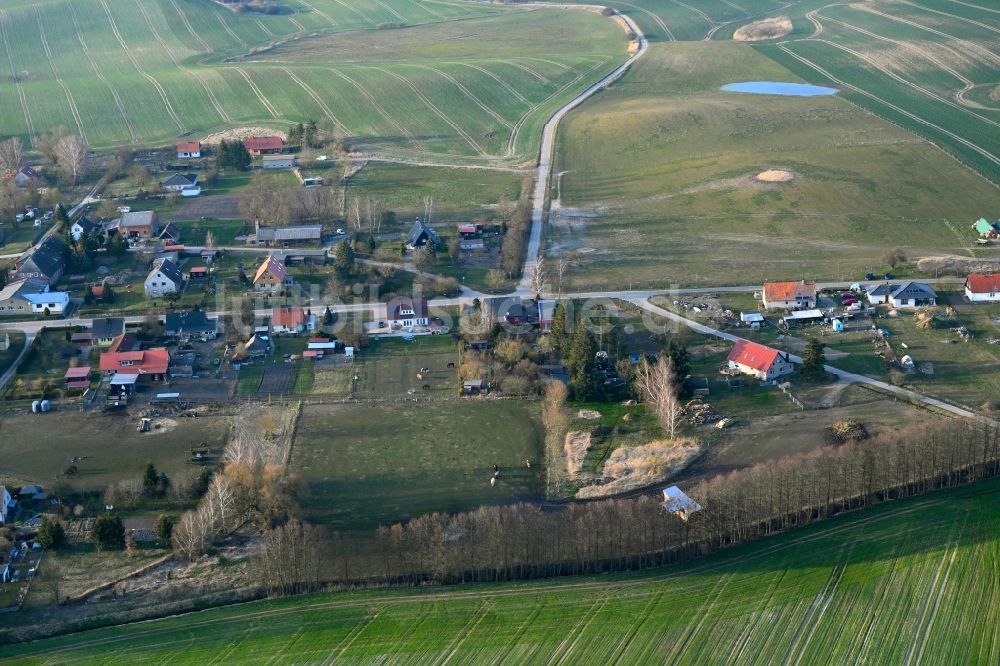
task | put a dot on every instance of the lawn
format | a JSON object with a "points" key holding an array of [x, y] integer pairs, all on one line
{"points": [[911, 578], [660, 188], [39, 448], [373, 465]]}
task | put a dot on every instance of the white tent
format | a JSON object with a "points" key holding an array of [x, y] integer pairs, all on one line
{"points": [[678, 503]]}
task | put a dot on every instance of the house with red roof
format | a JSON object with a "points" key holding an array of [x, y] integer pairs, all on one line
{"points": [[983, 287], [764, 363], [407, 312], [271, 275], [124, 357], [263, 145], [789, 295], [291, 321], [188, 149]]}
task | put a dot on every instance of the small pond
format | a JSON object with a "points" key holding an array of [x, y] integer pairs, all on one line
{"points": [[779, 88]]}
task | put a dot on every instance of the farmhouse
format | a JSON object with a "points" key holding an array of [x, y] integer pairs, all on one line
{"points": [[263, 145], [420, 235], [46, 262], [165, 278], [302, 234], [180, 181], [407, 312], [82, 228], [904, 295], [137, 224], [123, 357], [271, 276], [192, 323], [983, 288], [103, 331], [291, 321], [789, 295], [188, 149], [278, 161], [764, 363]]}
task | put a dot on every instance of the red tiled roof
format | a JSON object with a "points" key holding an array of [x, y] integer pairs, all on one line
{"points": [[787, 291], [753, 355], [199, 269], [263, 143], [188, 146], [77, 373], [124, 341], [312, 353], [272, 266], [395, 307], [979, 283], [289, 317], [147, 362]]}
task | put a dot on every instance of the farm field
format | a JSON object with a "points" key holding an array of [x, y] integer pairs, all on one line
{"points": [[908, 581], [415, 458], [386, 75], [660, 185], [38, 449]]}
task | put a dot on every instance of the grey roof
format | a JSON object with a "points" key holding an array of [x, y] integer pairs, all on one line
{"points": [[139, 218], [194, 321], [48, 258], [881, 290], [169, 270], [914, 290], [107, 327], [420, 233], [13, 289], [300, 232], [183, 179], [170, 231], [86, 224]]}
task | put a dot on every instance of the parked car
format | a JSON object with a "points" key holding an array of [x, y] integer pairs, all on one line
{"points": [[869, 276]]}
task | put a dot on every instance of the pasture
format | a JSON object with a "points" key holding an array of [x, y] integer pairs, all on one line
{"points": [[395, 369], [911, 581], [385, 75], [660, 185], [365, 465]]}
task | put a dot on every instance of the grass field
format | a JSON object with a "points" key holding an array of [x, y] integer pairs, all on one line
{"points": [[142, 72], [909, 582], [376, 465], [38, 449], [659, 188]]}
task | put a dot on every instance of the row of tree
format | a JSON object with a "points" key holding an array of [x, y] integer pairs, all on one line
{"points": [[68, 152]]}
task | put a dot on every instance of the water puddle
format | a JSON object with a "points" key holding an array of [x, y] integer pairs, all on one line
{"points": [[779, 88]]}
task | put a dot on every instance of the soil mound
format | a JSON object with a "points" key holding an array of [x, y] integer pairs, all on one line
{"points": [[634, 467], [769, 28], [775, 176]]}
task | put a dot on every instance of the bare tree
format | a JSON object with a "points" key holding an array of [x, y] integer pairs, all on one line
{"points": [[428, 209], [187, 537], [316, 204], [656, 383], [374, 212], [209, 239], [264, 199], [562, 267], [71, 156], [540, 276], [220, 497], [11, 155], [354, 214]]}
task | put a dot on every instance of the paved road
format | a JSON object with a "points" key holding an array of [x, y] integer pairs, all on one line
{"points": [[544, 171]]}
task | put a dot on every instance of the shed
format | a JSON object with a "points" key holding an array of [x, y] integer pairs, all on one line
{"points": [[77, 373], [751, 318], [803, 317], [124, 381], [472, 386], [675, 501]]}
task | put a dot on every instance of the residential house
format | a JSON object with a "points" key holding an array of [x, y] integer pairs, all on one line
{"points": [[986, 229], [983, 288], [46, 262], [32, 297], [26, 177], [165, 278], [903, 295], [123, 357], [271, 275], [258, 346], [191, 323], [5, 504], [137, 224], [188, 149], [82, 228], [291, 321], [301, 234], [789, 295], [103, 331], [180, 181], [277, 161], [420, 234], [170, 234], [407, 312], [764, 363], [546, 314], [48, 302], [263, 145], [520, 313]]}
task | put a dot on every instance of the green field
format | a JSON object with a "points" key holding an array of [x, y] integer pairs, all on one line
{"points": [[659, 187], [366, 466], [909, 582], [456, 79]]}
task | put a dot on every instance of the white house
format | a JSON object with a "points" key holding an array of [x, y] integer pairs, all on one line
{"points": [[764, 363], [291, 320], [789, 295], [407, 313], [81, 228], [983, 288], [165, 278], [188, 149], [48, 302], [904, 295], [180, 182]]}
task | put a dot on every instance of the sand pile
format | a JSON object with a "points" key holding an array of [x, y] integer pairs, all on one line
{"points": [[769, 28], [775, 176], [575, 447], [634, 467]]}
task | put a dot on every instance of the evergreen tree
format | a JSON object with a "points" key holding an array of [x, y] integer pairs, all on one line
{"points": [[164, 527], [118, 246], [328, 317], [310, 135], [681, 360], [813, 359], [343, 260], [51, 533], [559, 330], [151, 480], [580, 362], [109, 532]]}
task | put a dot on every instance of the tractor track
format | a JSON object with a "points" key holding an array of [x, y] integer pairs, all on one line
{"points": [[55, 74]]}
